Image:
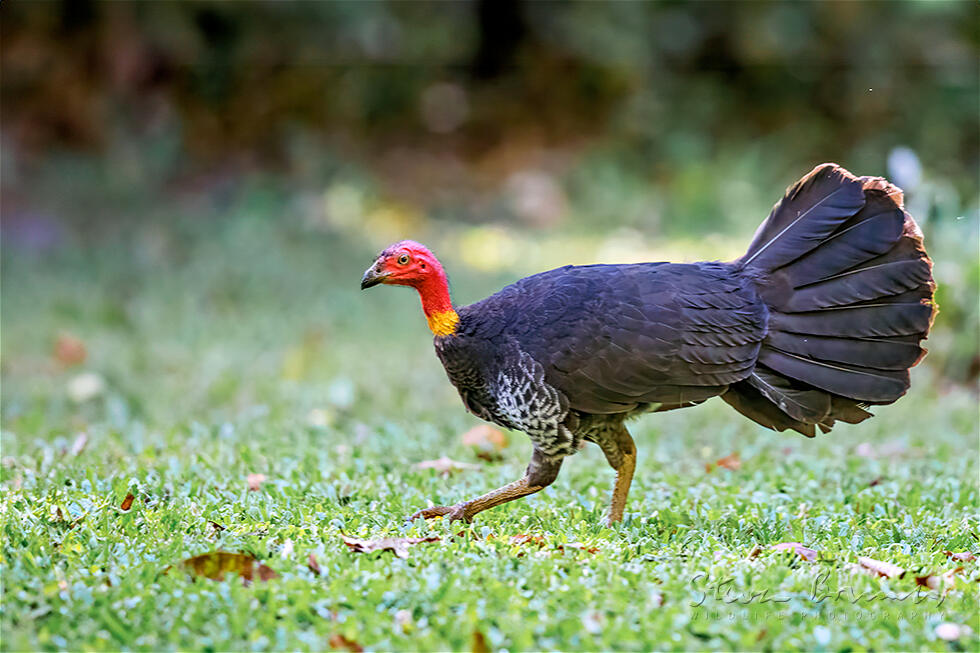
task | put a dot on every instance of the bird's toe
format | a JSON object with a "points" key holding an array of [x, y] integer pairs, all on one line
{"points": [[454, 513]]}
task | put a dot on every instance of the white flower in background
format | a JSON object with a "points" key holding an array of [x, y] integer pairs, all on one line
{"points": [[904, 168], [85, 386], [951, 632]]}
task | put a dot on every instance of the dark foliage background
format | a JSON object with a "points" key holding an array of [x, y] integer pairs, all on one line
{"points": [[514, 135]]}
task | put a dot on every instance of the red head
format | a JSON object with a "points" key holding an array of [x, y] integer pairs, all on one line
{"points": [[408, 263]]}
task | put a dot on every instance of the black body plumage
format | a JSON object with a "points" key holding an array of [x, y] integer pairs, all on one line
{"points": [[821, 317]]}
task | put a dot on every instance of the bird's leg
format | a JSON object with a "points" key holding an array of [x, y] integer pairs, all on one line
{"points": [[620, 451], [540, 473]]}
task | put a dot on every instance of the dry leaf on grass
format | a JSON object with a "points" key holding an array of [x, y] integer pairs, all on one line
{"points": [[806, 553], [127, 502], [218, 564], [338, 642], [69, 350], [398, 545], [255, 482], [731, 461], [878, 568], [445, 465], [486, 441], [313, 565], [480, 643], [579, 546], [938, 582], [961, 556], [524, 538]]}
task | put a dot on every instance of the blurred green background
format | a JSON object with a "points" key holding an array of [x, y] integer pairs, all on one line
{"points": [[237, 164]]}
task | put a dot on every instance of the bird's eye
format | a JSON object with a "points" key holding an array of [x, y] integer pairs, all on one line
{"points": [[403, 259]]}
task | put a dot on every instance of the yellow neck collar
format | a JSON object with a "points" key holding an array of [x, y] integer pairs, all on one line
{"points": [[443, 323]]}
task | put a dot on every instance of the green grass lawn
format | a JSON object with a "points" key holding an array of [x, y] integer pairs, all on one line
{"points": [[248, 349]]}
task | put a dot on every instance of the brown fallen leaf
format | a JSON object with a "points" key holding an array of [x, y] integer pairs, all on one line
{"points": [[216, 526], [522, 539], [961, 556], [479, 643], [754, 552], [806, 553], [578, 546], [69, 350], [878, 568], [731, 461], [398, 545], [338, 641], [127, 502], [445, 465], [218, 564], [313, 565], [255, 482], [487, 441], [938, 581]]}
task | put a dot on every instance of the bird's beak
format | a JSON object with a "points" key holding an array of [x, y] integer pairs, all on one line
{"points": [[372, 276]]}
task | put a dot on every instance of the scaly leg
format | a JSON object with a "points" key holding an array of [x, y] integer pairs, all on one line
{"points": [[540, 473], [620, 451]]}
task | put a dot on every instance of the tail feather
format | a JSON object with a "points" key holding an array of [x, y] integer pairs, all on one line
{"points": [[871, 232], [861, 284], [867, 320], [748, 400], [878, 353], [841, 265], [809, 212], [801, 403], [860, 383]]}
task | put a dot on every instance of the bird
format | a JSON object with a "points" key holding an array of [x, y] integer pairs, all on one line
{"points": [[819, 320]]}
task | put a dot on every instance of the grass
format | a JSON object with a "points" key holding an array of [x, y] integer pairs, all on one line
{"points": [[216, 343]]}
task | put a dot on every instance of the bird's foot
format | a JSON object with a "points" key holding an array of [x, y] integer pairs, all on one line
{"points": [[453, 513]]}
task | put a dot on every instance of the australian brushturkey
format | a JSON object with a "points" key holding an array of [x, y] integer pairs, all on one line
{"points": [[821, 318]]}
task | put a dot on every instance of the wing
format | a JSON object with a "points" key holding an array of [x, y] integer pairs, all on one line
{"points": [[613, 337]]}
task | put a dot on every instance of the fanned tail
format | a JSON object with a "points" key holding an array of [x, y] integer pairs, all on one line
{"points": [[841, 266]]}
